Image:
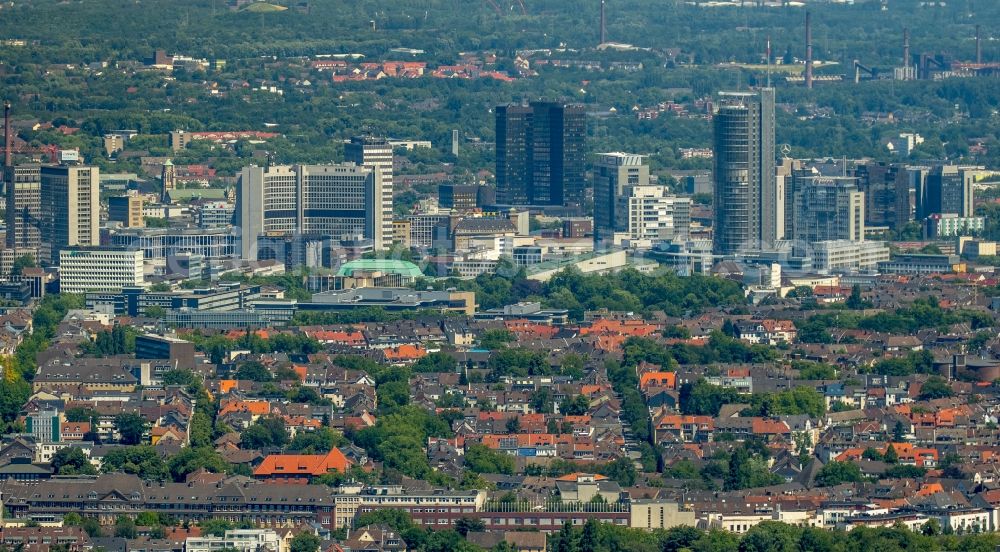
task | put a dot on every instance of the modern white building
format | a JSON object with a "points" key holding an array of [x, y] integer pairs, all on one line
{"points": [[70, 208], [613, 172], [99, 269], [653, 215], [217, 214], [630, 211], [240, 540], [848, 255], [949, 225], [376, 153], [345, 201]]}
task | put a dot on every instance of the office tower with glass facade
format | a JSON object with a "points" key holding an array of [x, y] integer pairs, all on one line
{"points": [[746, 197]]}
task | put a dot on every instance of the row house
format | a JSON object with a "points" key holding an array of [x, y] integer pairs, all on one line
{"points": [[677, 427], [767, 332]]}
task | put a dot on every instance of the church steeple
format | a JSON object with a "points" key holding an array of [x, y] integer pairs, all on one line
{"points": [[168, 178]]}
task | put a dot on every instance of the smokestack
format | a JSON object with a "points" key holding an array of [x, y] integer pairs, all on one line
{"points": [[604, 29], [809, 51], [8, 137], [906, 47], [979, 48]]}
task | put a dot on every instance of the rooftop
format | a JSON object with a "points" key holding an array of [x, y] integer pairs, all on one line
{"points": [[395, 266]]}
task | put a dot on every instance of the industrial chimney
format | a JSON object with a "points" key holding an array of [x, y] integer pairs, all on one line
{"points": [[809, 51], [979, 48], [906, 47], [604, 29], [8, 137]]}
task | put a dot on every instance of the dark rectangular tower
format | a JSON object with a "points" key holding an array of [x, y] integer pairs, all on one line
{"points": [[746, 198]]}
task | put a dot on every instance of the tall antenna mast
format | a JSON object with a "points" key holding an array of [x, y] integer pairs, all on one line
{"points": [[8, 137], [768, 61]]}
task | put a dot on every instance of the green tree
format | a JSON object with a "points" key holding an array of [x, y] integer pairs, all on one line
{"points": [[890, 456], [902, 471], [147, 519], [769, 536], [253, 371], [835, 473], [435, 362], [931, 528], [747, 470], [142, 460], [935, 388], [481, 459], [266, 432], [464, 526], [856, 301], [21, 263], [589, 537], [704, 399], [125, 528], [493, 339], [191, 459], [621, 470], [215, 526], [304, 542], [80, 414], [320, 441], [513, 424], [392, 395], [72, 519], [131, 427], [72, 461], [680, 537], [542, 401], [577, 405], [92, 527], [564, 540], [398, 520], [200, 430]]}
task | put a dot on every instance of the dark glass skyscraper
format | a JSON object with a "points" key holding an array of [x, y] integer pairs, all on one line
{"points": [[513, 130], [948, 190], [746, 197], [887, 194], [540, 154]]}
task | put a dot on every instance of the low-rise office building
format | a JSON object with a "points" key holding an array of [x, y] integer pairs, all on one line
{"points": [[99, 269], [848, 255], [392, 299], [133, 300], [160, 243], [914, 263]]}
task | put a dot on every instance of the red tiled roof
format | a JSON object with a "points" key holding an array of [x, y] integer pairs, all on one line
{"points": [[302, 464]]}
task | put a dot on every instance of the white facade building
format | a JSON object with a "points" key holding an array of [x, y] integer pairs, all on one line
{"points": [[652, 214], [376, 153], [850, 255], [344, 201], [217, 214], [99, 269], [241, 540]]}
